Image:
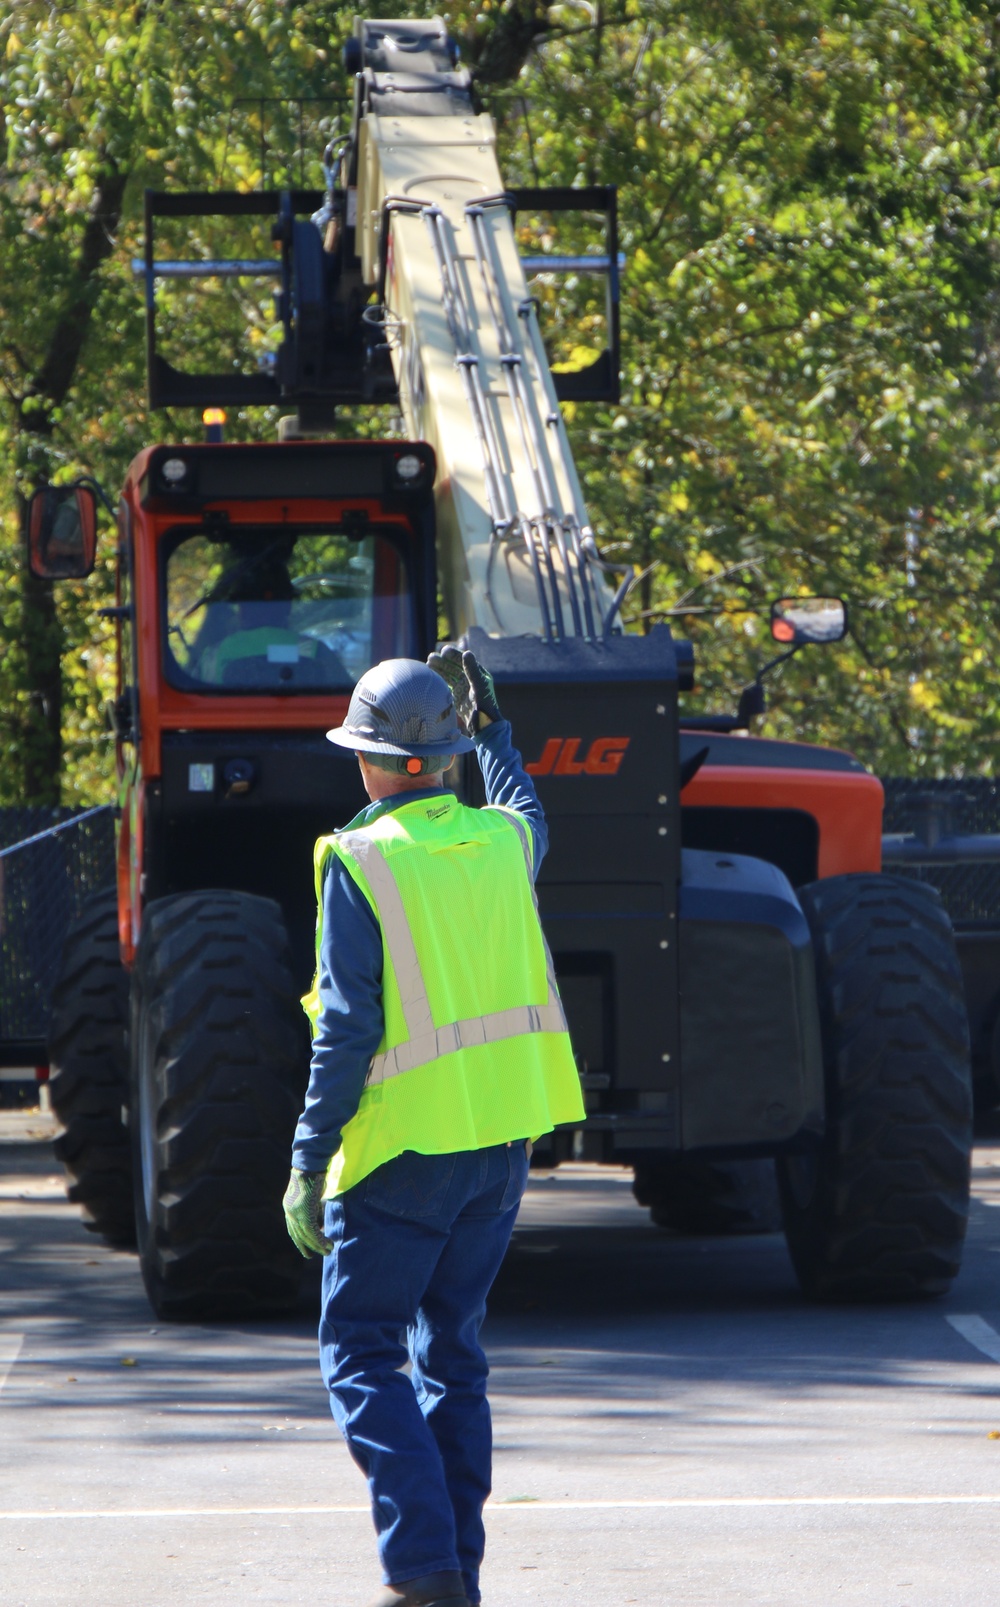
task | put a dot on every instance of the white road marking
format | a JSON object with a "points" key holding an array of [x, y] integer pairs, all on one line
{"points": [[978, 1333], [666, 1503], [10, 1349]]}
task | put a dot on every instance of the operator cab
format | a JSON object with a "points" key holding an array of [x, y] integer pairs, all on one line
{"points": [[256, 585]]}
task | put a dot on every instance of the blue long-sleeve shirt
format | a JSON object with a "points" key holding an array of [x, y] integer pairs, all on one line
{"points": [[350, 1023]]}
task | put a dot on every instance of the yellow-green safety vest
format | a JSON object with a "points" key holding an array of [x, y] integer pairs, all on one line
{"points": [[475, 1049]]}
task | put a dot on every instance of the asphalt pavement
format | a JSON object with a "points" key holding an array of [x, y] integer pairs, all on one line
{"points": [[674, 1426]]}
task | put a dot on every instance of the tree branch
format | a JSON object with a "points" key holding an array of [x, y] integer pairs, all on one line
{"points": [[891, 712], [53, 378]]}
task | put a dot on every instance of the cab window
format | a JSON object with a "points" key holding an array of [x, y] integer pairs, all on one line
{"points": [[283, 610]]}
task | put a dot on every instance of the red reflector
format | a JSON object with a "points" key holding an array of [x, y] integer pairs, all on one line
{"points": [[414, 766], [41, 1073]]}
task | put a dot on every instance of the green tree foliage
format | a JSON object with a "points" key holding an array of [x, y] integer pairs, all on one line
{"points": [[809, 205], [102, 101], [808, 200]]}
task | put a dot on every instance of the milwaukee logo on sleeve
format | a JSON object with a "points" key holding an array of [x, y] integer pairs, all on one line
{"points": [[559, 757]]}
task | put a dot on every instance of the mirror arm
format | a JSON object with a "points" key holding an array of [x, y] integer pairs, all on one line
{"points": [[773, 663], [752, 699], [98, 490]]}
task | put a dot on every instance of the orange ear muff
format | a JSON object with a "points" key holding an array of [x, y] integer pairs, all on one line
{"points": [[414, 767]]}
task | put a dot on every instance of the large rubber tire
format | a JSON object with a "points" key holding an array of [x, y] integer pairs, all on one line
{"points": [[219, 1063], [88, 1075], [689, 1195], [880, 1211]]}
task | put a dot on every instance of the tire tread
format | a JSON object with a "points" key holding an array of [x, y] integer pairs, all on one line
{"points": [[888, 1214], [88, 1080], [229, 1067]]}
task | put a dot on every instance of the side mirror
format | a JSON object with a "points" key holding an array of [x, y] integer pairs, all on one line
{"points": [[62, 532], [798, 620]]}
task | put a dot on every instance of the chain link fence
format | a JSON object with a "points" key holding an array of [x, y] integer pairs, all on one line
{"points": [[970, 889], [971, 892], [51, 860]]}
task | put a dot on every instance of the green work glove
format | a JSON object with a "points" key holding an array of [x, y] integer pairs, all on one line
{"points": [[303, 1205], [471, 687]]}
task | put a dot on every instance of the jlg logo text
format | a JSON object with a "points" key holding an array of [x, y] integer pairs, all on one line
{"points": [[559, 757]]}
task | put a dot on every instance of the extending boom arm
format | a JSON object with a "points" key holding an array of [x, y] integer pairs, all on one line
{"points": [[435, 236]]}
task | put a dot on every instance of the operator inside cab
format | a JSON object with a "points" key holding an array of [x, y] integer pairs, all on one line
{"points": [[253, 621], [289, 610]]}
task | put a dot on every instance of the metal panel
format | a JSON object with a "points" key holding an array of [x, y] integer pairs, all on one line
{"points": [[751, 1055]]}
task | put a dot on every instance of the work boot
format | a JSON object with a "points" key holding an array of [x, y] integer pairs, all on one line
{"points": [[430, 1590]]}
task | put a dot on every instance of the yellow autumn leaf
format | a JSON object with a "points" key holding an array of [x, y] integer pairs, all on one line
{"points": [[924, 696], [579, 357]]}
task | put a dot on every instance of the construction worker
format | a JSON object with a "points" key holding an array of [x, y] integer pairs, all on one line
{"points": [[439, 1050]]}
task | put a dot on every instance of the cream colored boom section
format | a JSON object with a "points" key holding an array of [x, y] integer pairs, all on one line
{"points": [[513, 535]]}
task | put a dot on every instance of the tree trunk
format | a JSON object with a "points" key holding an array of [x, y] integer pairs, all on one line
{"points": [[498, 55], [41, 721], [40, 735]]}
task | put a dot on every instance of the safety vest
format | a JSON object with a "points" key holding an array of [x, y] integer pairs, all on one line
{"points": [[475, 1049]]}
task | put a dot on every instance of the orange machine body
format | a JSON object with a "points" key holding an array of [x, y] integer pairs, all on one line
{"points": [[816, 812], [157, 708]]}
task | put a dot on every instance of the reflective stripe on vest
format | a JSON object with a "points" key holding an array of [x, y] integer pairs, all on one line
{"points": [[424, 1041]]}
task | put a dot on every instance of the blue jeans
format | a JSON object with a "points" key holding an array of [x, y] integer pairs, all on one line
{"points": [[417, 1245]]}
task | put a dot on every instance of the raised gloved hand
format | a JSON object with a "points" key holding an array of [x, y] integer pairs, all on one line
{"points": [[471, 687], [303, 1206]]}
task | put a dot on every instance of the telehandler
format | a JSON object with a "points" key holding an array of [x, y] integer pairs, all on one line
{"points": [[740, 978]]}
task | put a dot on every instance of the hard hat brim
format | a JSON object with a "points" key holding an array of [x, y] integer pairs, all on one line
{"points": [[343, 737]]}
